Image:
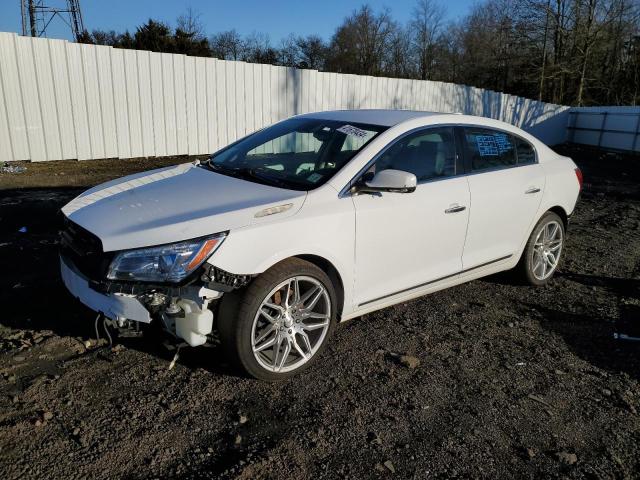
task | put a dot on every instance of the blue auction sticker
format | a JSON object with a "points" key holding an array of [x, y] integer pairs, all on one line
{"points": [[487, 145]]}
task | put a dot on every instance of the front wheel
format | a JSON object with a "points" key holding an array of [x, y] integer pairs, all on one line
{"points": [[541, 255], [281, 323]]}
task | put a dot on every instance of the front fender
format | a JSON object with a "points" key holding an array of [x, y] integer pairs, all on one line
{"points": [[327, 232]]}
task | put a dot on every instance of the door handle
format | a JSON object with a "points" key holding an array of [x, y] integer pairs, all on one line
{"points": [[455, 209], [532, 190]]}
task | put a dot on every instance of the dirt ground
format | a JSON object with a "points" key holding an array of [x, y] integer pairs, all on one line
{"points": [[512, 381]]}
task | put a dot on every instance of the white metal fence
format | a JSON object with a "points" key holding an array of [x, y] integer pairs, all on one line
{"points": [[62, 100], [616, 128]]}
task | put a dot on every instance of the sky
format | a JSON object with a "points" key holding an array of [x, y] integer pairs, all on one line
{"points": [[277, 18]]}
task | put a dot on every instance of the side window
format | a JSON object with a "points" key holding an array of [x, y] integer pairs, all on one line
{"points": [[428, 154], [489, 149], [525, 151]]}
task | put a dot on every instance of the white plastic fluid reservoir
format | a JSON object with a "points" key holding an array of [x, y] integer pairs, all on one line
{"points": [[196, 323]]}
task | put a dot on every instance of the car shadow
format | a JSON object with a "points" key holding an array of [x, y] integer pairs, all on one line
{"points": [[590, 334]]}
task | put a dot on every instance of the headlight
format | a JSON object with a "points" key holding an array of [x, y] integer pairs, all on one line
{"points": [[164, 263]]}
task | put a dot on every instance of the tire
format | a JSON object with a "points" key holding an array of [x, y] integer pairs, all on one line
{"points": [[267, 311], [542, 255]]}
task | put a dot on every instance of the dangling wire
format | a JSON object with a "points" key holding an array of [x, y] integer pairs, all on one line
{"points": [[95, 326], [104, 327]]}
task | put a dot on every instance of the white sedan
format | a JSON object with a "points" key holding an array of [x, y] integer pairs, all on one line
{"points": [[317, 219]]}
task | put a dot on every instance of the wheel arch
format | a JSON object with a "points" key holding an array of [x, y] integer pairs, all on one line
{"points": [[332, 272], [561, 212], [319, 261], [558, 210]]}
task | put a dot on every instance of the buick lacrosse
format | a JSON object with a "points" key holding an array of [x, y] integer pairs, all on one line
{"points": [[317, 219]]}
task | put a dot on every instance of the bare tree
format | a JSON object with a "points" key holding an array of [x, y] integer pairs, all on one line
{"points": [[227, 45], [189, 22], [426, 28], [360, 43]]}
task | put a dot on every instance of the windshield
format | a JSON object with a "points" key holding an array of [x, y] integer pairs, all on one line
{"points": [[299, 154]]}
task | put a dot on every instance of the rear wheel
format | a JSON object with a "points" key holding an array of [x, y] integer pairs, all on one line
{"points": [[282, 322], [541, 256]]}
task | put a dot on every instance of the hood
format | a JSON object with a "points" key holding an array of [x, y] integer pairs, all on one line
{"points": [[173, 204]]}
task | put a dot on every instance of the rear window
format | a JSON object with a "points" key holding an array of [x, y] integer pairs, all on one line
{"points": [[489, 149]]}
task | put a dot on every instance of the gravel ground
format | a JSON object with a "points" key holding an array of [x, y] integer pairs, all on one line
{"points": [[499, 380]]}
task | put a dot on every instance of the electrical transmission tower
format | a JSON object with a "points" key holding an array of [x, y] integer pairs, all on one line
{"points": [[38, 14]]}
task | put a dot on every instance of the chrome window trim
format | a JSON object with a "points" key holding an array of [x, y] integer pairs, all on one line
{"points": [[344, 192]]}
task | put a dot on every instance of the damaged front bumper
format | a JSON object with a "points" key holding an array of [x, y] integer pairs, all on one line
{"points": [[112, 305], [183, 311]]}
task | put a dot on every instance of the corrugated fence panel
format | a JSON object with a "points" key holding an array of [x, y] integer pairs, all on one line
{"points": [[62, 94], [157, 104], [210, 83], [133, 103], [180, 103], [120, 106], [107, 101], [169, 103], [46, 95], [90, 71], [78, 102], [63, 100], [5, 138], [221, 106], [146, 107], [30, 100]]}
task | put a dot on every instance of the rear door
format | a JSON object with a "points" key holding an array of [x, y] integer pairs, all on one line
{"points": [[506, 184]]}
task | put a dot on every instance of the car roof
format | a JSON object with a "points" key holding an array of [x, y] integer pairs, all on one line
{"points": [[386, 118]]}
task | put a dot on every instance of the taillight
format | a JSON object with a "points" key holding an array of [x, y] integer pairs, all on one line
{"points": [[579, 175]]}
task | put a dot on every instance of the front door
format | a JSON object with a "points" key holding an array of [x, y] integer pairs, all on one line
{"points": [[407, 240]]}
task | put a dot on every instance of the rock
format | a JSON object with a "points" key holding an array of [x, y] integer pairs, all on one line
{"points": [[567, 458], [409, 361], [390, 466], [373, 437]]}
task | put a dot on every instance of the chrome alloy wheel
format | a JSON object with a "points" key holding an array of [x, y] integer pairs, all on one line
{"points": [[546, 250], [291, 324]]}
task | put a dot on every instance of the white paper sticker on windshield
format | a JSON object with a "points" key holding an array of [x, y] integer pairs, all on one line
{"points": [[353, 131]]}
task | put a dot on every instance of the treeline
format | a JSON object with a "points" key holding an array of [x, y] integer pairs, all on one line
{"points": [[574, 52]]}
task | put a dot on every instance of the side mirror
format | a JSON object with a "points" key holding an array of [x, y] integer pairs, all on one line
{"points": [[389, 180]]}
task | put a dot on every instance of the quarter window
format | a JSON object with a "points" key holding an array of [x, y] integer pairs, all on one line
{"points": [[427, 154], [525, 151], [489, 149]]}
